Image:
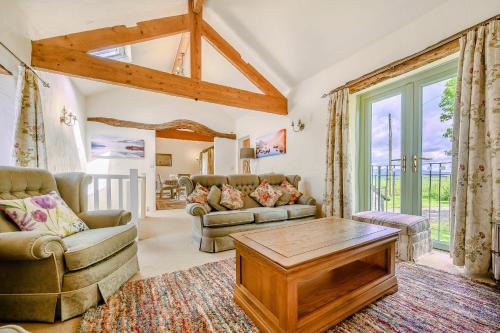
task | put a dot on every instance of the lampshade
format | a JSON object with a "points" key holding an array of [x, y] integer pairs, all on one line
{"points": [[247, 153]]}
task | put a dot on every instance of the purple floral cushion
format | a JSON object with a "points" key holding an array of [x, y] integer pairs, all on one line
{"points": [[46, 212]]}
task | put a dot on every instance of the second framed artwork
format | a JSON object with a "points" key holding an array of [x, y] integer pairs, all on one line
{"points": [[271, 144], [163, 159]]}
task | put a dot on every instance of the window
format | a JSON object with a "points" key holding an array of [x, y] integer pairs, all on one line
{"points": [[404, 157]]}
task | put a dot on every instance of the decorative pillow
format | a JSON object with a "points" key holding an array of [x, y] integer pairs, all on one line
{"points": [[265, 194], [214, 198], [200, 195], [294, 193], [231, 198], [46, 212], [285, 197]]}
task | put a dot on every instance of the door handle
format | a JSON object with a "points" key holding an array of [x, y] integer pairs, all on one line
{"points": [[403, 162], [415, 161]]}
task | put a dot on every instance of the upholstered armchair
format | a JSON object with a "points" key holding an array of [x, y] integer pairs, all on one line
{"points": [[45, 277]]}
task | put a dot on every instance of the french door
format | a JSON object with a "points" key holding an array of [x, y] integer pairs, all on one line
{"points": [[404, 150]]}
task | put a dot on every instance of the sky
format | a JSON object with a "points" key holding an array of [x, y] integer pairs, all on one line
{"points": [[434, 145]]}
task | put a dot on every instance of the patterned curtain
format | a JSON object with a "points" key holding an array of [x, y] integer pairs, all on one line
{"points": [[476, 149], [29, 144], [210, 152], [337, 198]]}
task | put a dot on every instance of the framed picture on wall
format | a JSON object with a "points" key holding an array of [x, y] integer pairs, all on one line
{"points": [[271, 144], [112, 147], [163, 159]]}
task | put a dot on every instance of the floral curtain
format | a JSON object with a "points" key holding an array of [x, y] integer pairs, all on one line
{"points": [[476, 149], [337, 198], [29, 141]]}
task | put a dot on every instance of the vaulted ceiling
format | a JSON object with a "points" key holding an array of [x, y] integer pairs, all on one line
{"points": [[287, 40]]}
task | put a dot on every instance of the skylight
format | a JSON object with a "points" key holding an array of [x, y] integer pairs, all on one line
{"points": [[121, 53]]}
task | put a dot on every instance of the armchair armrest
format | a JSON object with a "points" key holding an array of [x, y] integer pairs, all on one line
{"points": [[29, 245], [306, 200], [105, 218], [196, 209], [187, 183]]}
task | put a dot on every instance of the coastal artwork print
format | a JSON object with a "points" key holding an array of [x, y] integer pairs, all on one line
{"points": [[113, 147], [271, 144]]}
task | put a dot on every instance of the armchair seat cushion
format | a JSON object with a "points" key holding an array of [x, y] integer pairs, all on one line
{"points": [[91, 246], [226, 218], [264, 214], [299, 211]]}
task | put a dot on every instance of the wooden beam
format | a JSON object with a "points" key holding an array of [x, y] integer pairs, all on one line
{"points": [[76, 63], [179, 124], [183, 135], [181, 54], [197, 6], [195, 22], [230, 53], [4, 71], [121, 35], [403, 66]]}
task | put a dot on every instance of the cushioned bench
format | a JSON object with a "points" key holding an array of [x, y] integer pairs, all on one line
{"points": [[415, 237]]}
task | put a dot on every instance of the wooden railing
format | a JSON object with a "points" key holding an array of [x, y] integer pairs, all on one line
{"points": [[119, 192]]}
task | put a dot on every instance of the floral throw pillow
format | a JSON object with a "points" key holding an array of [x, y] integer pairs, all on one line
{"points": [[231, 198], [200, 195], [285, 197], [46, 212], [266, 195], [294, 193]]}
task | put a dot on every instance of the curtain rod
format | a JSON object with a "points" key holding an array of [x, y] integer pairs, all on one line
{"points": [[44, 83], [398, 62]]}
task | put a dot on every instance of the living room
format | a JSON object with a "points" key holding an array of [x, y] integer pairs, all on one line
{"points": [[323, 151]]}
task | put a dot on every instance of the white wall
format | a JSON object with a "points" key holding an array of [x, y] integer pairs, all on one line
{"points": [[146, 107], [185, 155], [306, 150], [225, 156]]}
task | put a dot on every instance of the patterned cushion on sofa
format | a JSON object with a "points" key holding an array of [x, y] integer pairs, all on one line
{"points": [[266, 195], [200, 195], [294, 193], [46, 212], [285, 197], [231, 198]]}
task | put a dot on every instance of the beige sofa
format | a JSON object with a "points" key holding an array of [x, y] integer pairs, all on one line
{"points": [[44, 277], [212, 229]]}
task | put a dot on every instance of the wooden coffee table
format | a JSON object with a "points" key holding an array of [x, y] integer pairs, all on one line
{"points": [[308, 276]]}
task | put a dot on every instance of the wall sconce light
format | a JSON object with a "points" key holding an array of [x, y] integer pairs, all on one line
{"points": [[67, 118], [298, 127]]}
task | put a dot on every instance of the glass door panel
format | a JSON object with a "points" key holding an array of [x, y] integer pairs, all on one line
{"points": [[385, 173], [437, 104]]}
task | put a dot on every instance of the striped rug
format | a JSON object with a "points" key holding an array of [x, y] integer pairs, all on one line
{"points": [[200, 300]]}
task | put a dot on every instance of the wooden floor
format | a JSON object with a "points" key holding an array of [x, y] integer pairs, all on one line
{"points": [[166, 204], [165, 245]]}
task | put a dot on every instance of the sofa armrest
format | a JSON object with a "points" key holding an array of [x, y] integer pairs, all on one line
{"points": [[105, 218], [73, 187], [196, 209], [306, 200], [187, 183], [29, 245]]}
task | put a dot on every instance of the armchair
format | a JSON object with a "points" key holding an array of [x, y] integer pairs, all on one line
{"points": [[46, 277]]}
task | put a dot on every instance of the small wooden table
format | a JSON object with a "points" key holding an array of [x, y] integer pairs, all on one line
{"points": [[308, 276]]}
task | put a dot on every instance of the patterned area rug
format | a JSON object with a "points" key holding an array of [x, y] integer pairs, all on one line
{"points": [[200, 300]]}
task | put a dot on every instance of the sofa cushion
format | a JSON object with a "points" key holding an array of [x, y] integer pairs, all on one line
{"points": [[91, 246], [266, 214], [284, 199], [294, 193], [214, 197], [266, 195], [231, 197], [220, 219], [299, 211], [200, 196]]}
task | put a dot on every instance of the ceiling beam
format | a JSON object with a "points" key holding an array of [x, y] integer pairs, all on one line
{"points": [[183, 135], [80, 64], [230, 53], [183, 125], [195, 21], [178, 66], [4, 71], [197, 6], [121, 35]]}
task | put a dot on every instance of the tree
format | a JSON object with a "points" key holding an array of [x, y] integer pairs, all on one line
{"points": [[447, 105]]}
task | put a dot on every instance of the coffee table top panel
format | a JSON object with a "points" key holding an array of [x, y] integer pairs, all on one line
{"points": [[292, 244]]}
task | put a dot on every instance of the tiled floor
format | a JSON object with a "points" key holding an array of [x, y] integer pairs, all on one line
{"points": [[165, 245]]}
